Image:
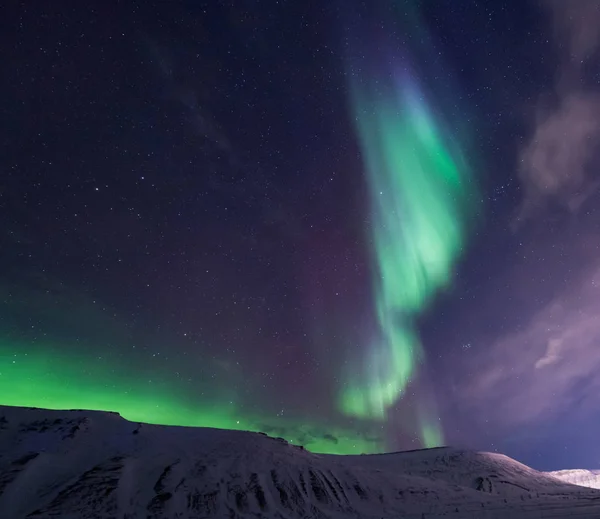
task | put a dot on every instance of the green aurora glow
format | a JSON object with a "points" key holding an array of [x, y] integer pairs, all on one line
{"points": [[420, 191], [39, 378], [419, 186]]}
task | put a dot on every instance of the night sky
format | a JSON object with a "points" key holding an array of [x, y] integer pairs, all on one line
{"points": [[362, 226]]}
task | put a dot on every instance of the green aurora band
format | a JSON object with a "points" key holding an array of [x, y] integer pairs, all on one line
{"points": [[50, 378], [420, 193]]}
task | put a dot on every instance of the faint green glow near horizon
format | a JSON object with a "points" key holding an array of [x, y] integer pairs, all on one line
{"points": [[419, 191], [39, 378]]}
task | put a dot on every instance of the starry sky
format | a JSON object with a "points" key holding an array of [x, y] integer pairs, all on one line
{"points": [[360, 226]]}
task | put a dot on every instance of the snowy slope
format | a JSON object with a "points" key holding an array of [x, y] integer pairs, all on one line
{"points": [[584, 478], [86, 464]]}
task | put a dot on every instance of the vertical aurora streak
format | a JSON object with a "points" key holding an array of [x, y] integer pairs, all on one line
{"points": [[420, 195]]}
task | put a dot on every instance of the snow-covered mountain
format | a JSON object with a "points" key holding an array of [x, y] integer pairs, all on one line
{"points": [[87, 464], [582, 477]]}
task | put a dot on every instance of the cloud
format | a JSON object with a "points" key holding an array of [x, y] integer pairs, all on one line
{"points": [[554, 165], [545, 370], [334, 438], [552, 354], [331, 438], [578, 23], [195, 111]]}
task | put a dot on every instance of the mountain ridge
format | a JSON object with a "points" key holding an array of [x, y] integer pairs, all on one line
{"points": [[96, 464]]}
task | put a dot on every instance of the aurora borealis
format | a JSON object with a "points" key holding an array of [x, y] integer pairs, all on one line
{"points": [[359, 226], [420, 190], [65, 386], [46, 376]]}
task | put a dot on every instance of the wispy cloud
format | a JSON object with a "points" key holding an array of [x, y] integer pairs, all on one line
{"points": [[555, 162], [195, 112], [576, 23], [544, 370]]}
